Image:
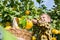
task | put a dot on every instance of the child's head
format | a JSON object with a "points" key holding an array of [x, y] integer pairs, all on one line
{"points": [[45, 18]]}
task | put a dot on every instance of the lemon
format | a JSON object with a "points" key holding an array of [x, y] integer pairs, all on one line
{"points": [[54, 31], [53, 38], [7, 27], [29, 24], [27, 12], [59, 32], [33, 38], [19, 18]]}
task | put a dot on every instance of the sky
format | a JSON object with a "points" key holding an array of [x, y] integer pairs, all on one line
{"points": [[48, 3]]}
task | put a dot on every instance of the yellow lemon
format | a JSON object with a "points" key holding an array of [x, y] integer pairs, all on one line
{"points": [[59, 32], [7, 27], [53, 38], [54, 31], [27, 12], [19, 18], [29, 24], [33, 38]]}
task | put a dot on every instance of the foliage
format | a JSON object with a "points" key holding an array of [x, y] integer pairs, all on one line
{"points": [[15, 8], [55, 15]]}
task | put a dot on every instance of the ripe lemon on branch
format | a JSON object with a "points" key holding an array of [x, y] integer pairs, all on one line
{"points": [[27, 12], [59, 32], [53, 38], [55, 31], [33, 38], [29, 24]]}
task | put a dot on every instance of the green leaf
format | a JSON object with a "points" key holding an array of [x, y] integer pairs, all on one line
{"points": [[22, 22]]}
